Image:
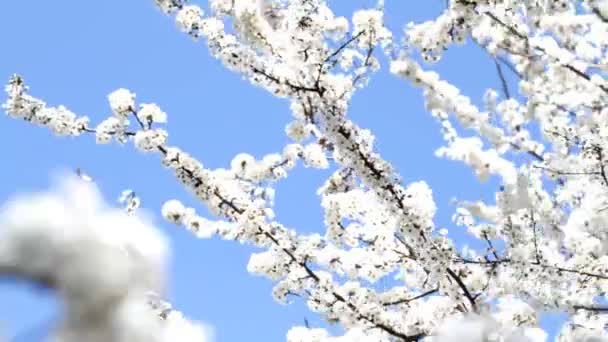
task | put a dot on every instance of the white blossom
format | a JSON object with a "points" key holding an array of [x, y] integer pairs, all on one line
{"points": [[111, 127], [122, 102], [370, 24], [150, 140], [129, 200], [61, 239], [314, 156], [173, 211], [189, 18], [151, 113], [298, 131]]}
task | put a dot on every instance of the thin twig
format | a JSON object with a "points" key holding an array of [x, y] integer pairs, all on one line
{"points": [[503, 81], [464, 289]]}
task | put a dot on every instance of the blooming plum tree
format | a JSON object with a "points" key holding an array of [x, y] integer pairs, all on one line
{"points": [[546, 141]]}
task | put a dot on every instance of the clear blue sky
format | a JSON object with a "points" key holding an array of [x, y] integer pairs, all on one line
{"points": [[76, 52]]}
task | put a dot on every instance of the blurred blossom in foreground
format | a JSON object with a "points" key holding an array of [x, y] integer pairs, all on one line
{"points": [[101, 261]]}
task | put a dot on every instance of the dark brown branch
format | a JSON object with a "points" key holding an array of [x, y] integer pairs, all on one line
{"points": [[464, 288], [600, 157], [591, 308], [342, 47], [503, 81], [295, 87], [491, 263], [599, 14], [509, 66], [534, 231], [567, 173], [407, 300], [141, 124], [91, 130], [530, 152], [491, 246]]}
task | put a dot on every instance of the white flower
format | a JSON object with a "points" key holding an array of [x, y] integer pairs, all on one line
{"points": [[337, 27], [314, 156], [122, 102], [212, 27], [298, 130], [201, 227], [173, 211], [150, 140], [111, 127], [292, 151], [189, 18], [150, 112], [369, 24], [178, 328], [169, 6], [221, 6], [303, 334], [250, 21], [242, 162], [130, 201]]}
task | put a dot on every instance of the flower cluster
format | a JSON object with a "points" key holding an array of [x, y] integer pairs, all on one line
{"points": [[61, 239], [59, 120]]}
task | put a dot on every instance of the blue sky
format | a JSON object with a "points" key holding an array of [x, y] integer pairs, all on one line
{"points": [[76, 52]]}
